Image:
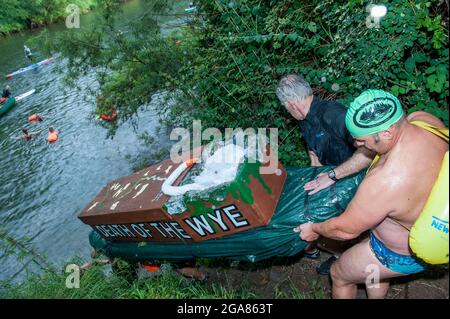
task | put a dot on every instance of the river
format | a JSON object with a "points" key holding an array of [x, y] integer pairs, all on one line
{"points": [[45, 186]]}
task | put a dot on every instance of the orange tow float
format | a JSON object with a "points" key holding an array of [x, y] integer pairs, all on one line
{"points": [[52, 135], [109, 117]]}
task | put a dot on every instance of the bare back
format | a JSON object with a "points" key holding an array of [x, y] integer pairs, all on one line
{"points": [[399, 185]]}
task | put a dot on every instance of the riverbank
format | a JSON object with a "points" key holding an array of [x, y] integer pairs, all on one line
{"points": [[233, 71], [274, 279], [95, 284], [30, 15]]}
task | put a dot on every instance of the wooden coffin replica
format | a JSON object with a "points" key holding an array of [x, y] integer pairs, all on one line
{"points": [[134, 208]]}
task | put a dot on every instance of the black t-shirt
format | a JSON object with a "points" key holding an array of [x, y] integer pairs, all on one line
{"points": [[325, 132]]}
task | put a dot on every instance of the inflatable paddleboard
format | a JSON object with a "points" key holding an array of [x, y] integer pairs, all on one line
{"points": [[29, 68], [24, 95]]}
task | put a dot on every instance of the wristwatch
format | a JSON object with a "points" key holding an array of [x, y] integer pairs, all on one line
{"points": [[332, 175]]}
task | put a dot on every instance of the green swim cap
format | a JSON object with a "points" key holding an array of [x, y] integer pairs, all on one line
{"points": [[372, 112]]}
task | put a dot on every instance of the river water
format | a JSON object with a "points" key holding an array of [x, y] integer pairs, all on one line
{"points": [[45, 186]]}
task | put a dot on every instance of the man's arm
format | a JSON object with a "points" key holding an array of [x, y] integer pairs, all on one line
{"points": [[314, 159], [334, 118], [360, 159], [370, 206]]}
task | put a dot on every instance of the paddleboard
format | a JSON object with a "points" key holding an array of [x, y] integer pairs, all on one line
{"points": [[191, 10], [29, 68], [24, 95]]}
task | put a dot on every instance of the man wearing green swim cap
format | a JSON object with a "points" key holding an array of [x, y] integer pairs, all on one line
{"points": [[389, 199]]}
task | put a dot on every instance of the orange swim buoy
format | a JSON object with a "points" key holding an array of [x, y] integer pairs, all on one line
{"points": [[151, 267], [34, 118], [52, 137], [111, 117]]}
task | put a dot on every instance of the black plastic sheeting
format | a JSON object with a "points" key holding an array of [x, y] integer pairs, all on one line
{"points": [[295, 207]]}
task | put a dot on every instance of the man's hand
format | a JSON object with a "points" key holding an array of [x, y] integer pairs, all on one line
{"points": [[320, 182], [306, 232]]}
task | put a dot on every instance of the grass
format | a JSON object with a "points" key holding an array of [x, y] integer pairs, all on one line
{"points": [[97, 283], [316, 292]]}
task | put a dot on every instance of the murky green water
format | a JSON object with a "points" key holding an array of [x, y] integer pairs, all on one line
{"points": [[43, 186]]}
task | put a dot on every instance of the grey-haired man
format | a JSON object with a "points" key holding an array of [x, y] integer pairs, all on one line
{"points": [[322, 123]]}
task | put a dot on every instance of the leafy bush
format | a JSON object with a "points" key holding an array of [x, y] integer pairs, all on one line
{"points": [[224, 68], [246, 46], [19, 14]]}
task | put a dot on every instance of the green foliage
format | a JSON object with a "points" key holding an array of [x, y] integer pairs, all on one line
{"points": [[13, 16], [224, 68], [22, 249], [19, 14], [246, 46]]}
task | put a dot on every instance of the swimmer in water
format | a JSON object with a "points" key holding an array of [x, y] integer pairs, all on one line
{"points": [[35, 118], [27, 135], [52, 135]]}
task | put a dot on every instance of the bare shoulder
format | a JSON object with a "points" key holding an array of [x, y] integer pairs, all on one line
{"points": [[378, 180], [426, 117], [371, 204], [376, 191]]}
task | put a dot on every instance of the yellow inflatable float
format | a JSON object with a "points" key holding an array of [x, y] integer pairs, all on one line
{"points": [[428, 238]]}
